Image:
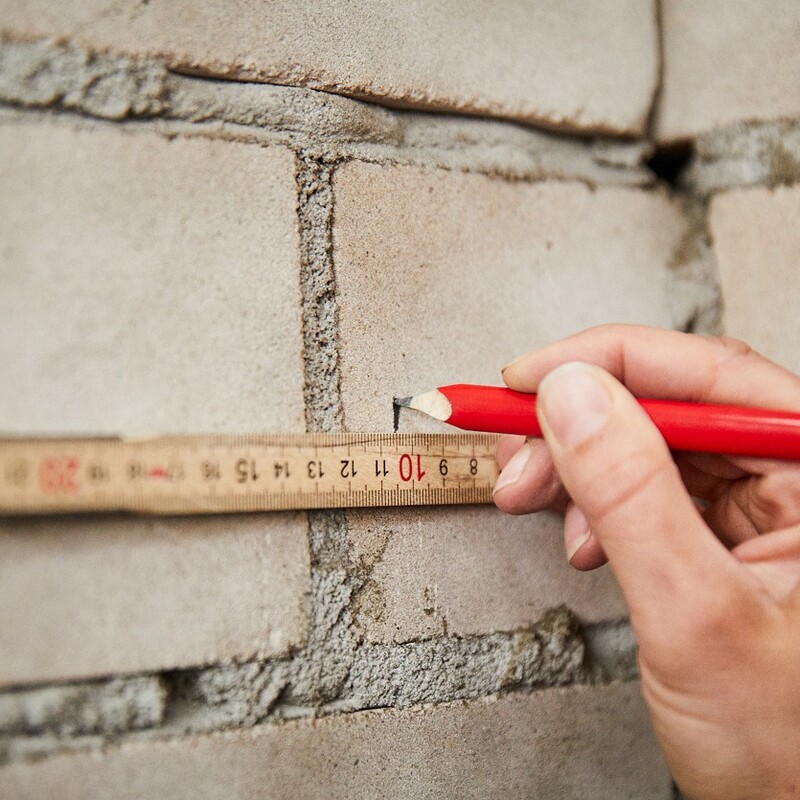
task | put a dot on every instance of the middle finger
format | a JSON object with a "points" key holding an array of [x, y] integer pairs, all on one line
{"points": [[528, 481]]}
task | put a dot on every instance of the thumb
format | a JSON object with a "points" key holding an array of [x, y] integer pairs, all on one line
{"points": [[618, 470]]}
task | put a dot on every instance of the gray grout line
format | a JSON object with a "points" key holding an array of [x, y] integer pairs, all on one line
{"points": [[67, 81], [694, 290], [334, 674], [56, 78], [322, 380], [742, 155]]}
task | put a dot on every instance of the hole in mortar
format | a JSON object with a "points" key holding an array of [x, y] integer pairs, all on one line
{"points": [[669, 162]]}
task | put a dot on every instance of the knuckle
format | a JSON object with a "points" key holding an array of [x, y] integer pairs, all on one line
{"points": [[701, 626], [727, 617], [774, 501], [732, 347], [764, 508], [606, 328], [730, 352]]}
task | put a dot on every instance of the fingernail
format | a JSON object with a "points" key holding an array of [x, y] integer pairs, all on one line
{"points": [[574, 402], [511, 364], [576, 531], [513, 469]]}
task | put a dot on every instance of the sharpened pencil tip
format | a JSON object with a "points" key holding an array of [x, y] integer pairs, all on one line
{"points": [[433, 403]]}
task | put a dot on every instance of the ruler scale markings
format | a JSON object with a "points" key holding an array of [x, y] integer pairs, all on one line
{"points": [[238, 473]]}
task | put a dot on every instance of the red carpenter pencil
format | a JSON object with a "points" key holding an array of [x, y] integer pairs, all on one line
{"points": [[698, 427]]}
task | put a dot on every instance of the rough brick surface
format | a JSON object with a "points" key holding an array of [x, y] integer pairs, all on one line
{"points": [[459, 572], [558, 744], [147, 285], [726, 61], [90, 598], [583, 67], [757, 246], [443, 278]]}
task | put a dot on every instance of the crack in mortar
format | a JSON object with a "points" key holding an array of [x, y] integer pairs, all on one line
{"points": [[658, 88]]}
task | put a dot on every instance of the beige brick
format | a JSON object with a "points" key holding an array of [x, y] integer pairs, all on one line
{"points": [[593, 743], [757, 247], [556, 62], [147, 285], [727, 61], [466, 571], [96, 597], [443, 278]]}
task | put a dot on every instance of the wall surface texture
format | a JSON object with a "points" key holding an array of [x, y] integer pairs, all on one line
{"points": [[277, 216]]}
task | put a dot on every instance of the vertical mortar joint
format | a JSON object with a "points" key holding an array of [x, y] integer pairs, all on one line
{"points": [[321, 368]]}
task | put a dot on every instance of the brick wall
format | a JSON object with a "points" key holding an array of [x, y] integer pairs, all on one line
{"points": [[194, 238]]}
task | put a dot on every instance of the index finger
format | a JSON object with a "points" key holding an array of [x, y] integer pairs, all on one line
{"points": [[664, 364]]}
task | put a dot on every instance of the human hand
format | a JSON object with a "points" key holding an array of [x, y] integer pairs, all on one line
{"points": [[713, 592]]}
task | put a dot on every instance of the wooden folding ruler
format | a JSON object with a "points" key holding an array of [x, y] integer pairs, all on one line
{"points": [[224, 474]]}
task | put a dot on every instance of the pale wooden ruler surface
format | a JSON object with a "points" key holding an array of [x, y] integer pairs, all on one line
{"points": [[243, 473]]}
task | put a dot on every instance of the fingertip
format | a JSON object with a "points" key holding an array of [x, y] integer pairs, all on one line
{"points": [[583, 550], [519, 374], [510, 376], [590, 556], [783, 544], [528, 481]]}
